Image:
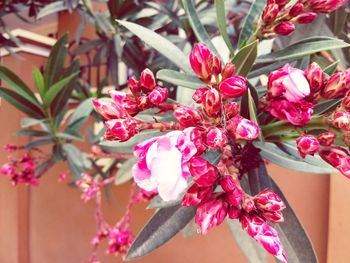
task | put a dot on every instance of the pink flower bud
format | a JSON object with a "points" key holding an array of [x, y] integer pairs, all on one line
{"points": [[284, 28], [275, 217], [240, 128], [143, 102], [199, 61], [203, 173], [216, 138], [326, 138], [306, 18], [196, 136], [288, 82], [147, 80], [337, 157], [269, 201], [214, 64], [8, 169], [296, 10], [126, 101], [336, 85], [120, 129], [227, 183], [233, 87], [187, 116], [199, 94], [315, 76], [158, 95], [264, 234], [231, 109], [326, 6], [345, 103], [248, 204], [341, 120], [234, 197], [108, 110], [134, 86], [211, 213], [228, 70], [195, 195], [8, 147], [233, 212], [307, 144], [212, 103], [270, 13], [281, 3]]}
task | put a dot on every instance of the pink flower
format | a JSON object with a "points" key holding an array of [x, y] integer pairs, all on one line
{"points": [[109, 110], [216, 138], [199, 59], [264, 234], [269, 201], [240, 128], [326, 6], [89, 186], [284, 28], [119, 241], [212, 102], [315, 76], [211, 213], [8, 147], [288, 82], [228, 70], [163, 164], [345, 103], [337, 157], [233, 212], [307, 145], [8, 169], [337, 85], [233, 87], [341, 120], [203, 173], [326, 138], [187, 116], [297, 113], [158, 95], [147, 80]]}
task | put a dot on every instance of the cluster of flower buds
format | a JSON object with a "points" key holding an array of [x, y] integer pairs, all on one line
{"points": [[21, 170], [280, 18]]}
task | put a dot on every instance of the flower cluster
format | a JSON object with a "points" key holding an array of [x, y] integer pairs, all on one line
{"points": [[21, 170], [280, 18]]}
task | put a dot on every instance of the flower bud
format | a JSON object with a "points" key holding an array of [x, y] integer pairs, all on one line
{"points": [[187, 116], [120, 129], [227, 183], [195, 195], [326, 138], [248, 204], [158, 95], [199, 94], [296, 10], [307, 144], [211, 213], [196, 136], [275, 217], [216, 138], [143, 102], [8, 147], [214, 64], [240, 128], [212, 103], [234, 197], [147, 80], [228, 70], [337, 157], [109, 110], [8, 169], [270, 13], [231, 109], [345, 103], [203, 173], [126, 101], [284, 28], [306, 18], [134, 86], [199, 61], [325, 6], [269, 201], [336, 86], [315, 76], [341, 120], [233, 212], [233, 87]]}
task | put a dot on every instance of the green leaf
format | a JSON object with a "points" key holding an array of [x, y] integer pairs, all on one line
{"points": [[80, 115], [161, 44], [325, 106], [28, 122], [253, 252], [21, 103], [198, 28], [37, 143], [221, 20], [78, 162], [303, 48], [39, 82], [124, 173], [245, 58], [165, 224], [179, 79], [331, 69], [252, 112], [158, 202], [56, 88], [34, 133], [338, 19], [249, 26], [17, 85], [69, 136], [53, 8]]}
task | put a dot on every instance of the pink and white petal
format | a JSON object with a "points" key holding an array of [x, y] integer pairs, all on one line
{"points": [[141, 149], [142, 177]]}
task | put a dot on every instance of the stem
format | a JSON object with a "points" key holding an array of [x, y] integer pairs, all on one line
{"points": [[53, 127]]}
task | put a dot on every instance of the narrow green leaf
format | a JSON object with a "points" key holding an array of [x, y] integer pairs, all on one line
{"points": [[221, 20], [78, 162], [303, 48], [338, 19], [53, 8], [39, 82], [245, 58], [34, 133], [165, 224], [37, 143], [196, 24], [179, 79], [161, 44], [249, 23], [158, 202], [28, 122], [80, 115], [69, 136], [124, 173], [325, 106], [56, 88], [21, 103], [331, 69], [252, 112]]}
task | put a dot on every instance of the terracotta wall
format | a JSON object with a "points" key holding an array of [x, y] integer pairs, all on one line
{"points": [[51, 224]]}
